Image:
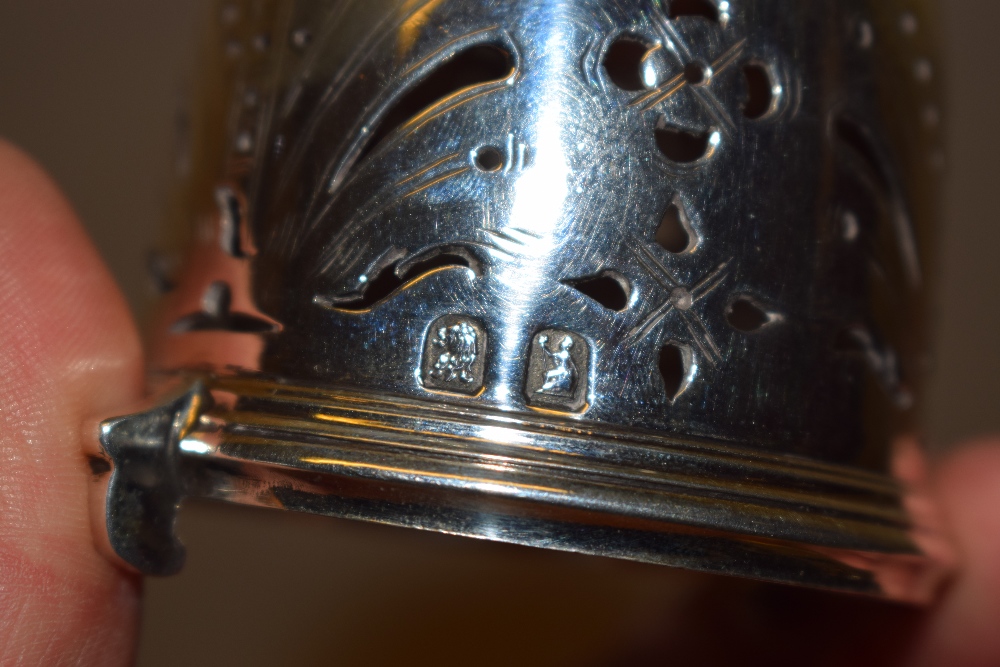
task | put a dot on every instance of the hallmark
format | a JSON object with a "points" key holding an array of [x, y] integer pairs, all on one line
{"points": [[454, 355], [558, 371]]}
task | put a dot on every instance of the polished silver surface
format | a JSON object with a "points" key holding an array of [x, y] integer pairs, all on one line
{"points": [[638, 279]]}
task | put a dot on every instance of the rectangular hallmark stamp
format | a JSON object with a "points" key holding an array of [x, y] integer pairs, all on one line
{"points": [[558, 371], [454, 358]]}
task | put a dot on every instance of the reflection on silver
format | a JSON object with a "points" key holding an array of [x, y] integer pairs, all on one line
{"points": [[632, 279]]}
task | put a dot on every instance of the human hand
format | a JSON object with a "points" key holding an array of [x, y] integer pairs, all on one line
{"points": [[68, 351]]}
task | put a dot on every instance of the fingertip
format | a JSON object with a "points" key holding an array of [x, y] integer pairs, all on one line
{"points": [[71, 352], [968, 484], [963, 628]]}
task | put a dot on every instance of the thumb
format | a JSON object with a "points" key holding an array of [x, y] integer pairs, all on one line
{"points": [[68, 351]]}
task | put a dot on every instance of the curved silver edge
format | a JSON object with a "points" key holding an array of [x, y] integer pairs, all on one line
{"points": [[699, 505]]}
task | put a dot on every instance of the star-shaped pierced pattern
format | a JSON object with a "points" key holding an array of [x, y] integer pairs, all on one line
{"points": [[683, 55], [680, 299]]}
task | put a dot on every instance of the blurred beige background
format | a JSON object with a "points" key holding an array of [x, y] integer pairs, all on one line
{"points": [[94, 89]]}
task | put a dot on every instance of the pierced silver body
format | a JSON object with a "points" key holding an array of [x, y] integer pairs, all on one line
{"points": [[638, 279]]}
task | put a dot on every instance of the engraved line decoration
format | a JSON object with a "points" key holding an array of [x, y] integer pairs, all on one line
{"points": [[680, 299], [666, 90]]}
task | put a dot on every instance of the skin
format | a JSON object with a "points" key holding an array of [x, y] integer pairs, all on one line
{"points": [[71, 351]]}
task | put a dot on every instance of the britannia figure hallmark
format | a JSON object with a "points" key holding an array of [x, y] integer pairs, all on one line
{"points": [[454, 352], [560, 377], [558, 371]]}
